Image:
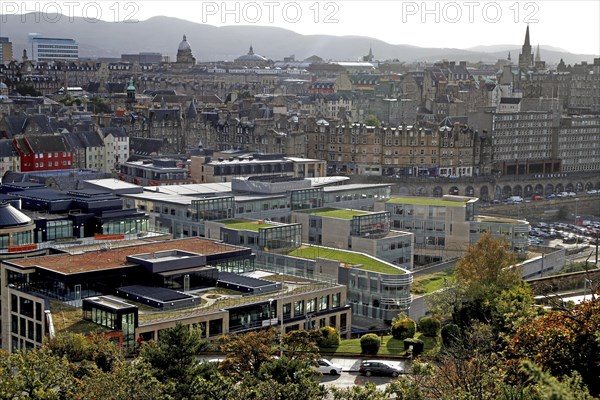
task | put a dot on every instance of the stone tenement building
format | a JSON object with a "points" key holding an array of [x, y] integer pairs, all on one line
{"points": [[419, 150]]}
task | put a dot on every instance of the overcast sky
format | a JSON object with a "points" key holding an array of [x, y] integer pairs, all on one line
{"points": [[570, 25]]}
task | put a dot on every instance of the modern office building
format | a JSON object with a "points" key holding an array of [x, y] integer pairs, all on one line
{"points": [[131, 293], [377, 289], [154, 172], [444, 228], [183, 209], [204, 169], [53, 49], [363, 231]]}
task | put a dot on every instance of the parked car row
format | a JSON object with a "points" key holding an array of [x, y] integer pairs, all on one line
{"points": [[551, 196], [587, 232]]}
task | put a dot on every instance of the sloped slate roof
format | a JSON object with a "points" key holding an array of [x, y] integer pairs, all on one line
{"points": [[115, 131], [47, 143], [7, 148]]}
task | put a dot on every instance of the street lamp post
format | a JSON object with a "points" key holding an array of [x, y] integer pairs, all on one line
{"points": [[576, 210]]}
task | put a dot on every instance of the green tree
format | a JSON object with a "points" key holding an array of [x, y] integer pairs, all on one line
{"points": [[372, 120], [359, 392], [370, 343], [173, 358], [548, 387], [429, 326], [126, 381], [36, 374]]}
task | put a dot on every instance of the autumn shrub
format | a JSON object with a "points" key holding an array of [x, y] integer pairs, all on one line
{"points": [[403, 328], [370, 343], [329, 337]]}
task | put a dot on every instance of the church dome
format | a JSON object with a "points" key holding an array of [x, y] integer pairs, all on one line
{"points": [[251, 56], [184, 45]]}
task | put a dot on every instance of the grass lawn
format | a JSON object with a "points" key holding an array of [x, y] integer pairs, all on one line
{"points": [[430, 283], [389, 346], [335, 213], [368, 263], [245, 225]]}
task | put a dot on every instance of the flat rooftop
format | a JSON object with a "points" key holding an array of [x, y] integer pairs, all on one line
{"points": [[117, 258], [334, 212]]}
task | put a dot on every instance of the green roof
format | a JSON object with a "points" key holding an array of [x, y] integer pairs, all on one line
{"points": [[335, 213], [368, 263], [243, 225], [426, 201]]}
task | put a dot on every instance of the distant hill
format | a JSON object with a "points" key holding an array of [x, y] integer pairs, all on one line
{"points": [[210, 43]]}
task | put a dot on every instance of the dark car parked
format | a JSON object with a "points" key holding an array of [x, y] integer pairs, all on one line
{"points": [[372, 367]]}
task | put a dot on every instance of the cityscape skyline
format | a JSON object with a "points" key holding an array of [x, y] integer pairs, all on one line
{"points": [[449, 24]]}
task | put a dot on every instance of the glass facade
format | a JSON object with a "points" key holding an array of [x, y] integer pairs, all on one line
{"points": [[280, 237], [16, 239], [238, 265], [213, 209], [305, 199], [126, 226], [375, 224], [353, 195], [59, 229]]}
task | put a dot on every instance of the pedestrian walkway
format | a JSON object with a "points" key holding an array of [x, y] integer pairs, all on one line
{"points": [[347, 364]]}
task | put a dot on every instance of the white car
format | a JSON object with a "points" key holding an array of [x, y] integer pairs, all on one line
{"points": [[327, 367]]}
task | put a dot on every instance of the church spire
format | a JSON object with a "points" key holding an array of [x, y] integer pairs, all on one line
{"points": [[537, 54], [527, 44], [509, 56]]}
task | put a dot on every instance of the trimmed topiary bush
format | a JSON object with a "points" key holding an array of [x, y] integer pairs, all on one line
{"points": [[370, 343], [429, 326], [403, 328], [450, 334], [329, 337], [417, 346]]}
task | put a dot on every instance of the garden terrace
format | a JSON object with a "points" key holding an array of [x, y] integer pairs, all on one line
{"points": [[335, 213], [347, 257]]}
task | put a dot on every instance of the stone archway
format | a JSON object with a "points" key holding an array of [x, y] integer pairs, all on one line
{"points": [[539, 189], [517, 190], [579, 187], [549, 189], [438, 191], [528, 191], [484, 193], [403, 191], [569, 187], [589, 186], [454, 190], [559, 188], [421, 191], [470, 191], [506, 192]]}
